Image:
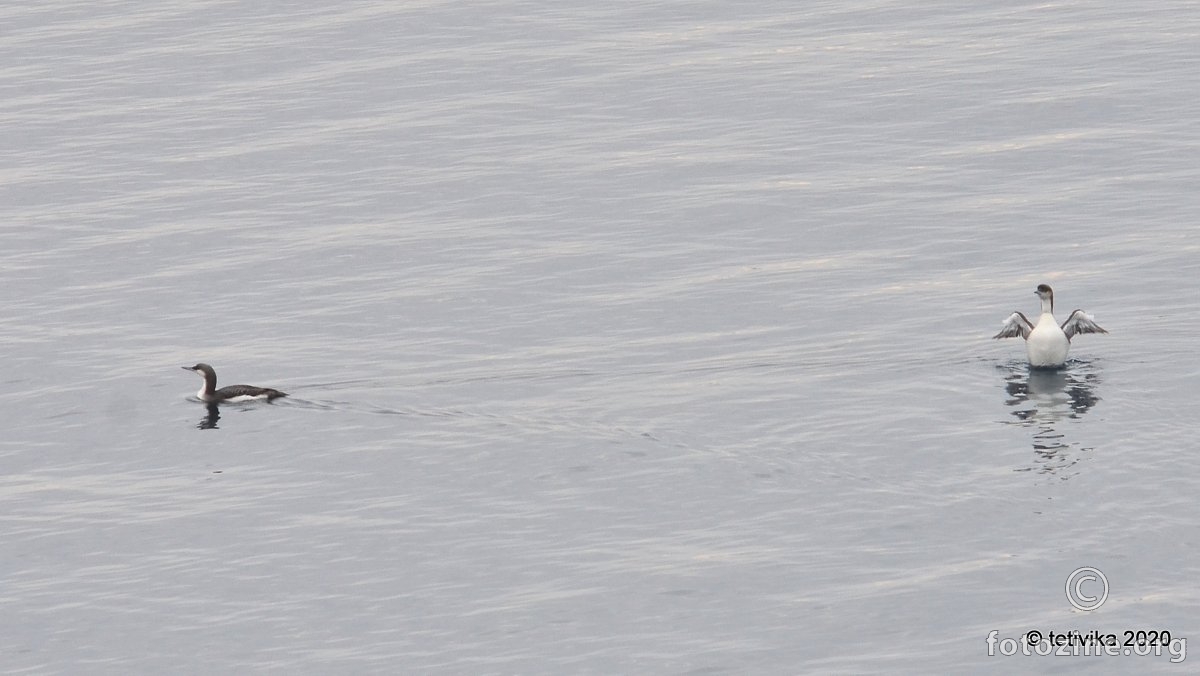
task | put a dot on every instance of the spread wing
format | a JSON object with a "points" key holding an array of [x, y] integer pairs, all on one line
{"points": [[1080, 322], [1017, 324]]}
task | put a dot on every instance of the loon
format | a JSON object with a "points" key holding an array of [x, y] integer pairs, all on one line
{"points": [[232, 393], [1047, 343]]}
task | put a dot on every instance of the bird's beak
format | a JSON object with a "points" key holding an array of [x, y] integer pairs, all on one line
{"points": [[186, 368]]}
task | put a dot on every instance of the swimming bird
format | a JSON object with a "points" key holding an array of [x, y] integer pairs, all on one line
{"points": [[1047, 343], [232, 393]]}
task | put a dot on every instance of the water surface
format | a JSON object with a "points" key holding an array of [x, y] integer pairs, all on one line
{"points": [[621, 339]]}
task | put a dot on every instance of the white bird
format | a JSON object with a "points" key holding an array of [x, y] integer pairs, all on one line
{"points": [[1047, 343]]}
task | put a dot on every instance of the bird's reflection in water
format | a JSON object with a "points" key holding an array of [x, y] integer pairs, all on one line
{"points": [[209, 421], [1045, 400]]}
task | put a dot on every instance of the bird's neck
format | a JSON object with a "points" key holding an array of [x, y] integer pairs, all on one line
{"points": [[1048, 305]]}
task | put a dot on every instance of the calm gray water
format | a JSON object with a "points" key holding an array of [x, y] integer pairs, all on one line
{"points": [[622, 338]]}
